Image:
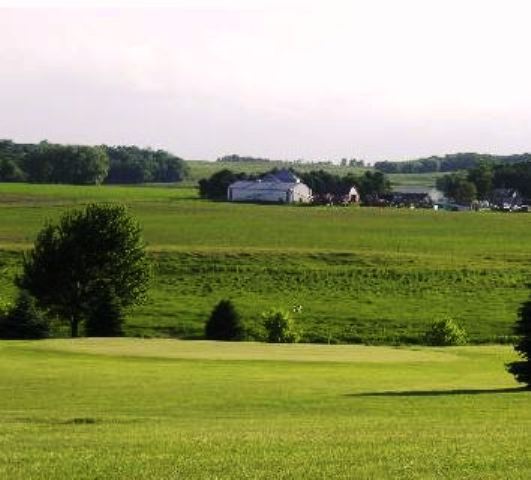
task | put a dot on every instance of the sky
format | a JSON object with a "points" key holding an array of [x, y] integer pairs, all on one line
{"points": [[314, 80]]}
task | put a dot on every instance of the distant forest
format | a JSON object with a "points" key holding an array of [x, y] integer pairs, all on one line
{"points": [[480, 182], [83, 165], [450, 163]]}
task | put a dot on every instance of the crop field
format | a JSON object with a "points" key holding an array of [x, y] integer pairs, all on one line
{"points": [[362, 275], [166, 409]]}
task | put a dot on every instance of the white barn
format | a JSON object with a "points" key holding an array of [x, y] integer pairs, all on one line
{"points": [[280, 187]]}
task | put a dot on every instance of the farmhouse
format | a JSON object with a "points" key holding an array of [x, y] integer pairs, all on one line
{"points": [[342, 195], [348, 194], [278, 187]]}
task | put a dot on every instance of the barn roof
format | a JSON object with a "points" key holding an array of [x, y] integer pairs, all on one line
{"points": [[263, 185]]}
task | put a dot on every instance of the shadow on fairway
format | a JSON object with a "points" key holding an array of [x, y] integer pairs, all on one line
{"points": [[436, 393]]}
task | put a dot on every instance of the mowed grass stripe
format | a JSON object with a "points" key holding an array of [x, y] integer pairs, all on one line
{"points": [[208, 350]]}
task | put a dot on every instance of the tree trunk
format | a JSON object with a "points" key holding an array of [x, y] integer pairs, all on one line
{"points": [[74, 326]]}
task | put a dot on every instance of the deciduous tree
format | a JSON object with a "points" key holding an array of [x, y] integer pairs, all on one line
{"points": [[88, 250]]}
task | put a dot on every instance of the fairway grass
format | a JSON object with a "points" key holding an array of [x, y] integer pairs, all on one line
{"points": [[208, 350], [168, 409]]}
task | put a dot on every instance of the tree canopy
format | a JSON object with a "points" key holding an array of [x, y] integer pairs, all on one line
{"points": [[87, 252], [521, 369], [130, 164], [215, 187], [450, 163], [66, 164], [482, 180], [458, 188], [75, 164]]}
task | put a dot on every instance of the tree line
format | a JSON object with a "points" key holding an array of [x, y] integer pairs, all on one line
{"points": [[321, 182], [235, 158], [479, 182], [84, 165], [241, 158], [450, 163]]}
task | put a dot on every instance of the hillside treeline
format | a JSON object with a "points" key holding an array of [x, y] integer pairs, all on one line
{"points": [[321, 182], [239, 158], [368, 184], [83, 165], [479, 182], [450, 163]]}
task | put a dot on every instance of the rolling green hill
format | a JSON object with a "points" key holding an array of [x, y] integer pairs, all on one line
{"points": [[203, 169], [361, 274]]}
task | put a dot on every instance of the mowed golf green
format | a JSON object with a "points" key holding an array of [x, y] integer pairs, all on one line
{"points": [[168, 409], [360, 274]]}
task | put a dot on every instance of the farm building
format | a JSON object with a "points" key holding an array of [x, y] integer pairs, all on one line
{"points": [[506, 199], [278, 187], [341, 196], [413, 197]]}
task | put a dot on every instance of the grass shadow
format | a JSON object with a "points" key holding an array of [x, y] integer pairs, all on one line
{"points": [[436, 393]]}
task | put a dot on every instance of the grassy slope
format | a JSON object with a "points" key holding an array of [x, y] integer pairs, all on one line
{"points": [[360, 274], [203, 169], [168, 409]]}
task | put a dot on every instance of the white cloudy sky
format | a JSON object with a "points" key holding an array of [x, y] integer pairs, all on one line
{"points": [[372, 79]]}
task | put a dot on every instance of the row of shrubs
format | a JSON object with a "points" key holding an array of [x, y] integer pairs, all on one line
{"points": [[225, 323], [24, 320], [278, 326]]}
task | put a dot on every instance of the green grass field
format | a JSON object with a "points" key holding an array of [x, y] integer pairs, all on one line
{"points": [[160, 409], [361, 274], [167, 409]]}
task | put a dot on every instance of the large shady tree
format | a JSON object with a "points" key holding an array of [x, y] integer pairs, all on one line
{"points": [[87, 252]]}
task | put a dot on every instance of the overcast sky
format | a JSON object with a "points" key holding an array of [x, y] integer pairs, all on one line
{"points": [[371, 79]]}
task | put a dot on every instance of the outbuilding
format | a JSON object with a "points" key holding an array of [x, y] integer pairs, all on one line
{"points": [[418, 197], [278, 187]]}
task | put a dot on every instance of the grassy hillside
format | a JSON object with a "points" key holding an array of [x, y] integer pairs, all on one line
{"points": [[203, 169], [161, 409], [361, 274]]}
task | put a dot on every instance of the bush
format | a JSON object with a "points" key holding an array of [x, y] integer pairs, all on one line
{"points": [[23, 320], [224, 323], [215, 187], [445, 332], [522, 368], [106, 316], [280, 327]]}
